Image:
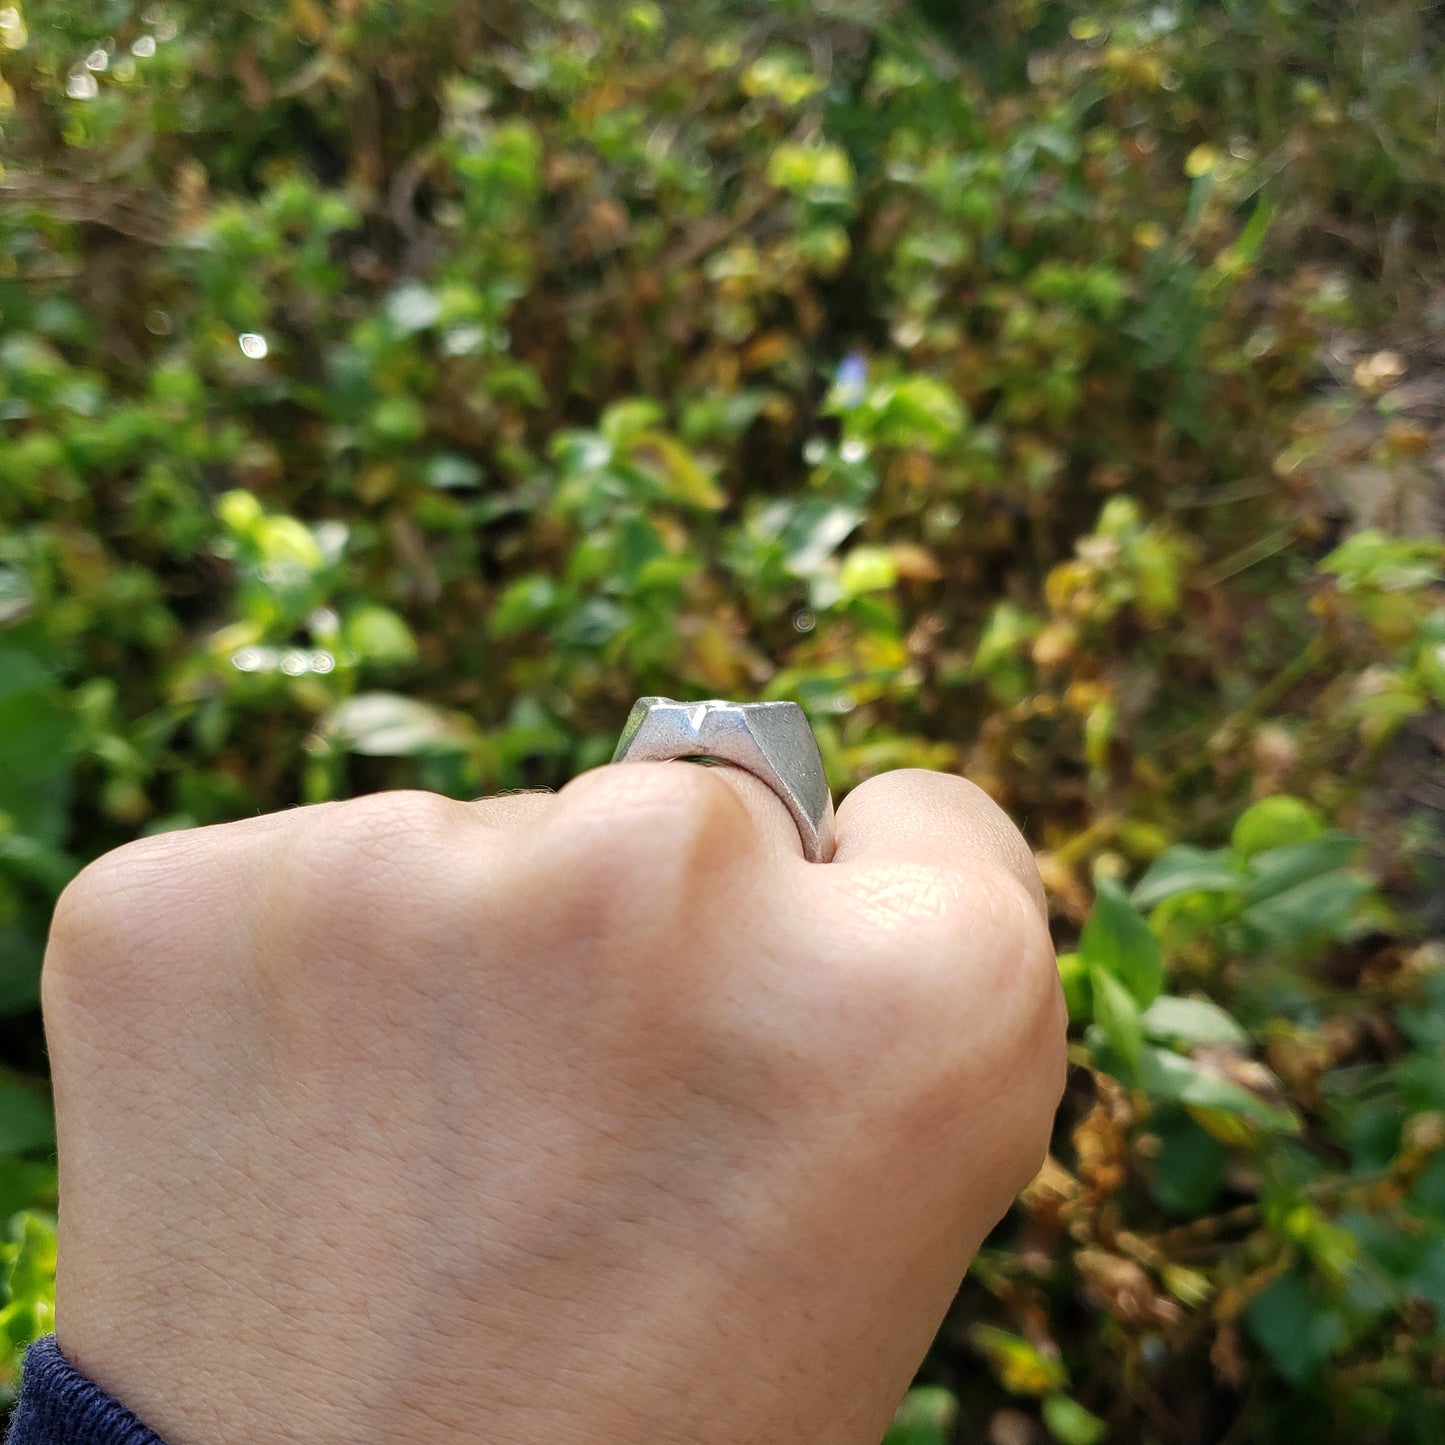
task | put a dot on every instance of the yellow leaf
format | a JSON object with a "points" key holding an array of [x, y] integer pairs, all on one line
{"points": [[13, 34], [1202, 160], [310, 20], [667, 461], [1020, 1367]]}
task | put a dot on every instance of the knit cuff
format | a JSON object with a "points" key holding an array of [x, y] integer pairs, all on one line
{"points": [[60, 1406]]}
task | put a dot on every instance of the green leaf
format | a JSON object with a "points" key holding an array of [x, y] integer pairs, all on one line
{"points": [[397, 421], [1193, 1021], [680, 475], [284, 542], [783, 75], [1171, 1077], [239, 511], [1275, 823], [1117, 1014], [1071, 1424], [916, 411], [1188, 1171], [1074, 976], [812, 530], [821, 174], [1008, 629], [36, 862], [21, 953], [533, 732], [1187, 869], [1296, 1325], [1117, 939], [36, 745], [1319, 908], [1279, 869], [526, 601], [1374, 559], [27, 1184], [386, 725], [31, 1270], [377, 634], [626, 422], [592, 625], [1251, 238], [1300, 891], [927, 1416], [866, 569], [452, 472], [27, 1122], [412, 306], [16, 595], [29, 1309]]}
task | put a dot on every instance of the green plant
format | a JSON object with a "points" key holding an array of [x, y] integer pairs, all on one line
{"points": [[389, 394]]}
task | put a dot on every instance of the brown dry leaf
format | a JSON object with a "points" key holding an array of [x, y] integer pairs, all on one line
{"points": [[1246, 1072], [1013, 1427], [767, 350], [1055, 644], [915, 563], [1051, 1187], [1300, 1057], [1123, 1289], [1101, 1151], [1374, 373], [1227, 1359], [1063, 885]]}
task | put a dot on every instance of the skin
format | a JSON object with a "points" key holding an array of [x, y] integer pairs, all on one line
{"points": [[591, 1116]]}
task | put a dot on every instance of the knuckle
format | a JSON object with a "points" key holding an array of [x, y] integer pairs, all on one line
{"points": [[637, 850], [358, 879], [1024, 1124], [999, 922], [117, 888], [953, 992], [380, 832], [991, 825], [635, 824], [110, 923], [1010, 1055]]}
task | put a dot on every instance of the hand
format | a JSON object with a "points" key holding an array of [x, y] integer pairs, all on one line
{"points": [[597, 1116]]}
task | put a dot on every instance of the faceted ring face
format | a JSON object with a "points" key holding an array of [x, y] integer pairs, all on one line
{"points": [[771, 740]]}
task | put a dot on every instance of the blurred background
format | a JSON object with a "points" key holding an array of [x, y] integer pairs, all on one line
{"points": [[1053, 392]]}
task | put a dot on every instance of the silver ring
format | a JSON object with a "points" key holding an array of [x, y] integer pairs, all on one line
{"points": [[772, 740]]}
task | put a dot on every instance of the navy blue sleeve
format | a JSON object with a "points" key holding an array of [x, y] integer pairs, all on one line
{"points": [[60, 1406]]}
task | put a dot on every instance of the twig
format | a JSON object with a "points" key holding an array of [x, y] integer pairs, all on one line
{"points": [[707, 239], [128, 213], [1260, 550]]}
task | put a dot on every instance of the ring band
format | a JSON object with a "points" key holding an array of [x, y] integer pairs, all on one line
{"points": [[771, 740]]}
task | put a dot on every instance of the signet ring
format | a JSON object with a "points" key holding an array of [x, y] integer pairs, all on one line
{"points": [[771, 740]]}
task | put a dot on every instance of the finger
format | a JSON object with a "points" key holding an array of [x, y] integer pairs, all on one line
{"points": [[916, 816], [745, 811], [506, 811], [777, 833]]}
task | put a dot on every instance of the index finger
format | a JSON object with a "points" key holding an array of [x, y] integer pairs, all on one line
{"points": [[916, 816]]}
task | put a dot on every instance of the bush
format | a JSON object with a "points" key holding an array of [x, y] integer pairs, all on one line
{"points": [[392, 395]]}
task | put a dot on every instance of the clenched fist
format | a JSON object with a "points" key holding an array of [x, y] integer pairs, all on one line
{"points": [[598, 1116]]}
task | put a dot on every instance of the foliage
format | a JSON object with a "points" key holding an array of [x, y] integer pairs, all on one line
{"points": [[29, 1287], [391, 393]]}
